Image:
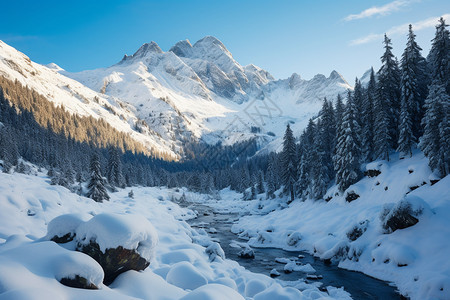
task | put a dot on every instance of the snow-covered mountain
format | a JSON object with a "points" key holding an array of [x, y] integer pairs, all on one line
{"points": [[193, 92], [77, 98]]}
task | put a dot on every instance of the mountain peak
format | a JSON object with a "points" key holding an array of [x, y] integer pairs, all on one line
{"points": [[182, 48], [151, 47], [209, 42], [334, 75]]}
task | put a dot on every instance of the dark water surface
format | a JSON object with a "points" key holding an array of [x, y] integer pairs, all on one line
{"points": [[359, 285]]}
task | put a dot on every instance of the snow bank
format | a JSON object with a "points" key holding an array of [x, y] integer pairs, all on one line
{"points": [[415, 258]]}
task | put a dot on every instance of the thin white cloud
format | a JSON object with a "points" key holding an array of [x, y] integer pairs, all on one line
{"points": [[380, 10], [402, 29]]}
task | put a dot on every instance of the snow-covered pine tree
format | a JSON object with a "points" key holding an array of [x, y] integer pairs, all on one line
{"points": [[9, 152], [381, 138], [358, 98], [96, 186], [367, 118], [319, 164], [271, 179], [414, 82], [327, 132], [260, 185], [435, 140], [114, 169], [406, 140], [348, 149], [339, 112], [304, 168], [389, 90], [289, 162], [439, 56], [436, 127]]}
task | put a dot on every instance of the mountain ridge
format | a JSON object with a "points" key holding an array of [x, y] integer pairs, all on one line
{"points": [[191, 93]]}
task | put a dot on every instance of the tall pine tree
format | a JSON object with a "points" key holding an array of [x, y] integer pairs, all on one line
{"points": [[389, 91], [96, 186], [368, 119], [348, 150], [289, 162], [434, 142]]}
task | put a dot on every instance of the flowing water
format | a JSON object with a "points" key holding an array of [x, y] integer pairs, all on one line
{"points": [[359, 285]]}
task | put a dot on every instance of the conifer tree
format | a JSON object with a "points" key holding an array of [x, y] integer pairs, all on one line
{"points": [[436, 126], [307, 155], [434, 142], [348, 151], [114, 172], [414, 82], [367, 118], [406, 139], [289, 162], [96, 186], [439, 56], [389, 91]]}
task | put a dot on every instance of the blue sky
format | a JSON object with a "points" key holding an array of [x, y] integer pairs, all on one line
{"points": [[307, 37]]}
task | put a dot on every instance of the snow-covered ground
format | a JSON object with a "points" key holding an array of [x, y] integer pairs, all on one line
{"points": [[31, 265], [416, 259]]}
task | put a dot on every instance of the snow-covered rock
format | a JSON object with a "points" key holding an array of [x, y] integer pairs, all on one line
{"points": [[132, 232]]}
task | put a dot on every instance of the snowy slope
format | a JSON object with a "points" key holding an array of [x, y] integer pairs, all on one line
{"points": [[201, 92], [31, 266], [74, 96], [414, 258]]}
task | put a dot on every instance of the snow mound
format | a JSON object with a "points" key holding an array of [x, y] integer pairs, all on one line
{"points": [[185, 276], [30, 261], [254, 287], [277, 292], [213, 292], [65, 224], [133, 232]]}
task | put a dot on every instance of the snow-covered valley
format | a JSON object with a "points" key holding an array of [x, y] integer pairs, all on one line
{"points": [[182, 265]]}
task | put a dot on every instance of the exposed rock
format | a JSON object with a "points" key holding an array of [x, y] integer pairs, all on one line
{"points": [[78, 282], [274, 273], [294, 238], [351, 196], [68, 237], [402, 215], [214, 251], [400, 220], [314, 277], [357, 230], [114, 261], [372, 173], [247, 253]]}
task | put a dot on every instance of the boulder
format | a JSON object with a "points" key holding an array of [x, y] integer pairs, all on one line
{"points": [[372, 173], [357, 230], [78, 282], [403, 214], [351, 196], [114, 261], [119, 243], [247, 252]]}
